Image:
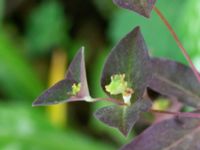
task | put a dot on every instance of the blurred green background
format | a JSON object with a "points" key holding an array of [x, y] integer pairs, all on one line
{"points": [[38, 39]]}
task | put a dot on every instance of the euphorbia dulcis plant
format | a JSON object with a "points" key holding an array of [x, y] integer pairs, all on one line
{"points": [[128, 75]]}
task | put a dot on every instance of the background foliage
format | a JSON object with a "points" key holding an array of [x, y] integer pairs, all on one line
{"points": [[35, 34]]}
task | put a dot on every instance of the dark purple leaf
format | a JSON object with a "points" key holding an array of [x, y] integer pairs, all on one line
{"points": [[62, 91], [143, 7], [122, 117], [177, 80], [129, 57], [172, 134]]}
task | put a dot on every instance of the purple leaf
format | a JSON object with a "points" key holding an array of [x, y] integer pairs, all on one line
{"points": [[172, 134], [129, 60], [143, 7], [175, 80], [127, 67], [122, 117], [129, 57], [63, 91]]}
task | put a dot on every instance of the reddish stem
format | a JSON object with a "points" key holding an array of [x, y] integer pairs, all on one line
{"points": [[179, 114], [178, 42], [111, 100]]}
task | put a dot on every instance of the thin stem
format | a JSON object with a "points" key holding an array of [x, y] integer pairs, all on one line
{"points": [[178, 42], [178, 114], [111, 100]]}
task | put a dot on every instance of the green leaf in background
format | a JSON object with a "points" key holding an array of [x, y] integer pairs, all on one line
{"points": [[105, 7], [1, 11], [188, 29], [158, 38], [25, 128], [47, 27], [18, 80]]}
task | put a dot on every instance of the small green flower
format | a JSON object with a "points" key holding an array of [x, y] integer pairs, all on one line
{"points": [[118, 85], [76, 88]]}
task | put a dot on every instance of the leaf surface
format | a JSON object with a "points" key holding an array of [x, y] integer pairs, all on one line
{"points": [[61, 91], [40, 29], [177, 80], [143, 7], [122, 117], [172, 134], [129, 57], [17, 77]]}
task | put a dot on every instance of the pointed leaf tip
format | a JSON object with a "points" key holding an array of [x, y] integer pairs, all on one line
{"points": [[128, 65], [142, 7], [122, 117], [128, 59], [73, 88]]}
